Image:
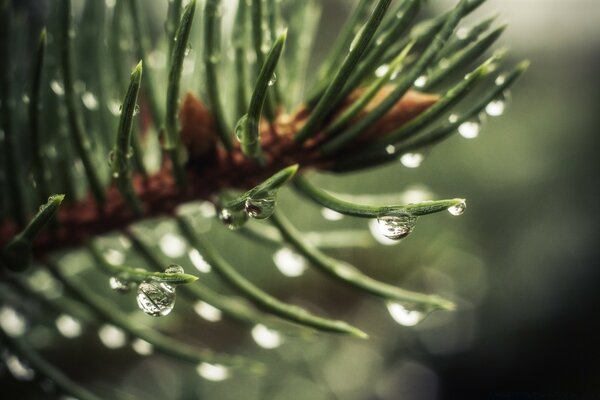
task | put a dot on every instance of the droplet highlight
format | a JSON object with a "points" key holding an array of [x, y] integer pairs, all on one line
{"points": [[458, 209], [233, 219], [396, 226], [405, 314], [412, 160], [261, 208]]}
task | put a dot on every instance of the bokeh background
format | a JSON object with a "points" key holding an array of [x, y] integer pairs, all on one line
{"points": [[522, 263]]}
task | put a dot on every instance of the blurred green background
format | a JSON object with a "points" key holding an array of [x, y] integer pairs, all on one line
{"points": [[521, 263]]}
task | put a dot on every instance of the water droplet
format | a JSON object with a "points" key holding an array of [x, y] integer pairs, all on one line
{"points": [[18, 368], [114, 106], [458, 209], [213, 372], [174, 269], [471, 128], [289, 263], [188, 49], [207, 311], [462, 33], [156, 299], [25, 98], [261, 208], [241, 126], [114, 257], [120, 285], [404, 314], [198, 261], [331, 215], [233, 219], [142, 347], [265, 337], [12, 322], [68, 326], [453, 118], [382, 70], [111, 336], [390, 149], [412, 160], [57, 87], [273, 79], [496, 107], [500, 80], [396, 226], [421, 81], [207, 209], [136, 109], [172, 245], [89, 100], [115, 175]]}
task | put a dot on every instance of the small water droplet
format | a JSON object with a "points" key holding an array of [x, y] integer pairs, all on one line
{"points": [[157, 59], [382, 70], [114, 106], [390, 149], [500, 80], [12, 322], [471, 128], [207, 311], [453, 118], [57, 87], [273, 79], [18, 368], [241, 126], [136, 109], [188, 49], [405, 314], [265, 337], [111, 336], [68, 326], [120, 285], [331, 215], [89, 101], [114, 257], [213, 372], [172, 245], [412, 160], [496, 107], [462, 33], [261, 208], [396, 226], [289, 263], [421, 81], [156, 299], [458, 209], [233, 219], [142, 347], [116, 175], [25, 98], [198, 261]]}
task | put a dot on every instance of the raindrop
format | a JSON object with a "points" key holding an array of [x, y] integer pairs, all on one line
{"points": [[273, 79], [156, 299], [68, 326], [120, 285], [12, 322], [462, 33], [379, 238], [265, 337], [18, 369], [496, 107], [142, 347], [421, 81], [331, 215], [458, 209], [240, 126], [390, 149], [404, 314], [233, 219], [453, 118], [471, 128], [500, 80], [89, 100], [172, 245], [198, 261], [115, 175], [57, 87], [289, 263], [412, 160], [261, 208], [188, 49], [174, 269], [213, 372], [136, 109], [396, 226], [111, 336], [114, 257], [207, 311], [114, 106], [382, 70]]}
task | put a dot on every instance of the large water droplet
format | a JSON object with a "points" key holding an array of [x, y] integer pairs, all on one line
{"points": [[111, 336], [142, 347], [412, 160], [261, 208], [396, 226], [233, 219], [213, 372], [265, 337], [156, 299], [172, 245], [289, 263], [458, 209], [207, 311], [273, 79], [496, 107], [89, 100], [331, 215], [57, 87], [68, 326], [174, 269], [18, 368], [471, 128], [198, 261], [405, 314], [421, 81], [12, 322]]}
